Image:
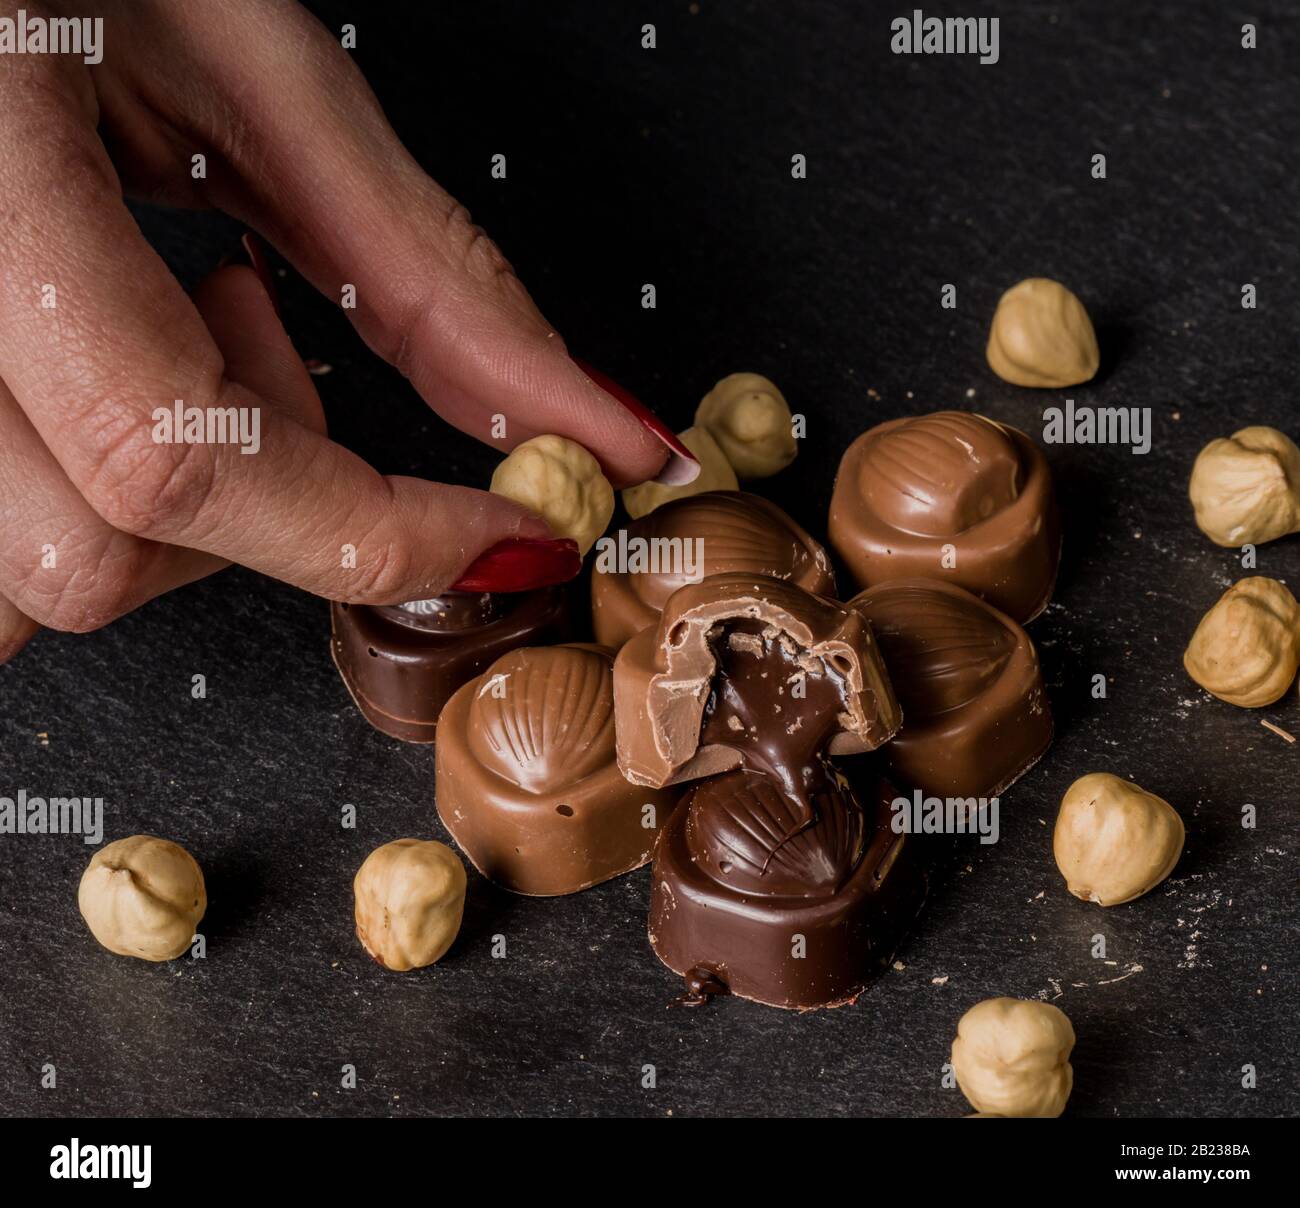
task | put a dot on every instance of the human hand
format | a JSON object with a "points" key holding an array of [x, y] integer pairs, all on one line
{"points": [[96, 516]]}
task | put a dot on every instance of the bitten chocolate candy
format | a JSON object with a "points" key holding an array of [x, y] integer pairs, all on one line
{"points": [[687, 539], [743, 901], [796, 676], [527, 781], [975, 715], [402, 662], [951, 496], [770, 881]]}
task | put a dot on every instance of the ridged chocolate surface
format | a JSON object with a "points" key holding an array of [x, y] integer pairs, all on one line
{"points": [[951, 496], [545, 716], [737, 833]]}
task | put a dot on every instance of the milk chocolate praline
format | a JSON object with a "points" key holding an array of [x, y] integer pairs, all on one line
{"points": [[664, 677], [800, 923], [951, 496], [975, 714], [737, 532], [402, 662], [527, 781], [771, 881]]}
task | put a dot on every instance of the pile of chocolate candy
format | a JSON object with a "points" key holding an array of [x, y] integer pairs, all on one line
{"points": [[701, 729]]}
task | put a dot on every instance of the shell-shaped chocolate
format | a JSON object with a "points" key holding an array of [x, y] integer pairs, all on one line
{"points": [[543, 716], [737, 532], [943, 646], [938, 475], [743, 832]]}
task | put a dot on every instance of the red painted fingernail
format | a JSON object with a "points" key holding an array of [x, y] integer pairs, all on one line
{"points": [[521, 564], [682, 465], [252, 256]]}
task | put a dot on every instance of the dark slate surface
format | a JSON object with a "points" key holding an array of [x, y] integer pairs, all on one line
{"points": [[672, 166]]}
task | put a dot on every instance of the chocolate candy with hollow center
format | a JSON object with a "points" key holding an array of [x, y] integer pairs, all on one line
{"points": [[799, 922], [527, 780], [770, 880], [753, 671], [951, 496], [975, 714], [656, 555], [402, 662]]}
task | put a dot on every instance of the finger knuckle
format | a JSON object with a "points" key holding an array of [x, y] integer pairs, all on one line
{"points": [[146, 487], [90, 585]]}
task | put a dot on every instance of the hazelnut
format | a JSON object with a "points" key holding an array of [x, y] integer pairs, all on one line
{"points": [[1245, 649], [751, 421], [715, 474], [410, 895], [143, 897], [560, 481], [1246, 488], [1042, 336], [1012, 1057], [1113, 840]]}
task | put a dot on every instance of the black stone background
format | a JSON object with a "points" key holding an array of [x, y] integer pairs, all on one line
{"points": [[673, 166]]}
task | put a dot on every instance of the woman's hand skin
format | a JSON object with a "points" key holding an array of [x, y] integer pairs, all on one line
{"points": [[295, 146]]}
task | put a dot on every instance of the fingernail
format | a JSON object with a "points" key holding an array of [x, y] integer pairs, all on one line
{"points": [[251, 255], [682, 465], [521, 564]]}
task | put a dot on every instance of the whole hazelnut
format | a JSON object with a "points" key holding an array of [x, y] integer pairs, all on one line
{"points": [[1042, 336], [1246, 488], [1113, 840], [751, 421], [410, 895], [560, 481], [1246, 648], [143, 897], [715, 474], [1012, 1057]]}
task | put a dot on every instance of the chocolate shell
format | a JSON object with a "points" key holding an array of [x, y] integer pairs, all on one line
{"points": [[952, 496], [975, 714], [806, 927], [402, 662], [813, 682], [738, 531], [527, 781]]}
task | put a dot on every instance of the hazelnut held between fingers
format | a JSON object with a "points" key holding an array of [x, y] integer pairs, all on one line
{"points": [[143, 897], [410, 896], [1246, 488], [559, 480], [1042, 336], [1012, 1058], [715, 474], [1113, 840], [750, 420], [1246, 648]]}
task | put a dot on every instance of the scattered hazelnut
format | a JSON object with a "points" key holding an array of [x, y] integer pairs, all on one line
{"points": [[715, 474], [750, 419], [560, 481], [143, 897], [1113, 840], [1012, 1057], [410, 895], [1246, 647], [1246, 488], [1042, 336]]}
